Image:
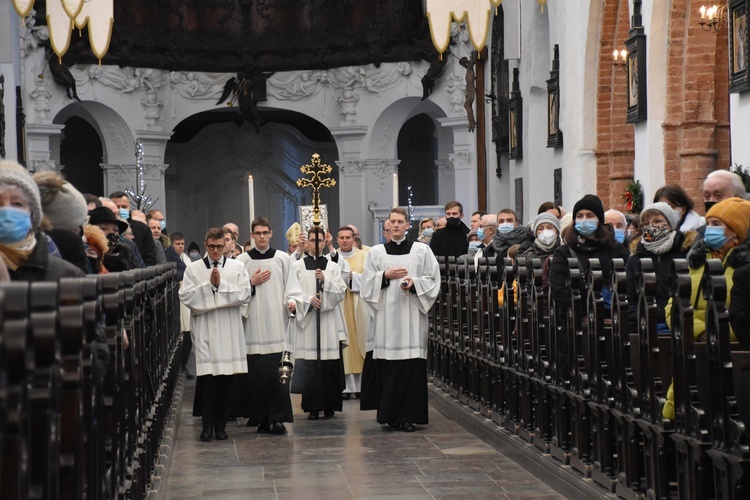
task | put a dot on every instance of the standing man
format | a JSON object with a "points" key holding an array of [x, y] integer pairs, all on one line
{"points": [[143, 238], [400, 283], [476, 220], [319, 371], [215, 289], [486, 232], [155, 229], [354, 312], [267, 400], [176, 253], [451, 240]]}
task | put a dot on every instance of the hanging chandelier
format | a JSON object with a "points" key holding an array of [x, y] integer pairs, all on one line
{"points": [[63, 15]]}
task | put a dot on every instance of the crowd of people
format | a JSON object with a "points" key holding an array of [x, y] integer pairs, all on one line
{"points": [[351, 318]]}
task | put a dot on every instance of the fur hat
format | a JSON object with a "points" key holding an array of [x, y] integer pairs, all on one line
{"points": [[735, 213], [590, 202], [14, 175], [665, 210], [548, 218], [63, 206], [96, 239]]}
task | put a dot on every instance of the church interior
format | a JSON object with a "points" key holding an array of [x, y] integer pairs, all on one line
{"points": [[207, 110]]}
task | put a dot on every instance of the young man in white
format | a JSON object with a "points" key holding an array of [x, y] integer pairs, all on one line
{"points": [[318, 369], [265, 400], [215, 289], [400, 283]]}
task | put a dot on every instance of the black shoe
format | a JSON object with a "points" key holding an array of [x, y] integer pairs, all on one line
{"points": [[394, 425], [264, 428], [357, 395], [206, 435], [408, 427], [328, 413], [221, 436], [314, 415], [346, 396], [278, 428]]}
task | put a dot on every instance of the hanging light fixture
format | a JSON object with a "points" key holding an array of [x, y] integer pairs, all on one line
{"points": [[713, 17], [98, 15], [476, 13]]}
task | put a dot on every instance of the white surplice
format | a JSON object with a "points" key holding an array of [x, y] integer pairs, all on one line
{"points": [[398, 327], [216, 318], [266, 314], [301, 289]]}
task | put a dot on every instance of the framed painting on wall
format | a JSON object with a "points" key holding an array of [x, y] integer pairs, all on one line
{"points": [[738, 46], [637, 102], [515, 120], [554, 134]]}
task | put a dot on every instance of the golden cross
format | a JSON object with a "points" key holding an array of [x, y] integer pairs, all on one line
{"points": [[318, 180]]}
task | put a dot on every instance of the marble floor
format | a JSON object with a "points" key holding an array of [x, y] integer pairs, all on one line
{"points": [[348, 456]]}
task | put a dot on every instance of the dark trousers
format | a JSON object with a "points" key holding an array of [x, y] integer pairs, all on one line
{"points": [[217, 389], [187, 346]]}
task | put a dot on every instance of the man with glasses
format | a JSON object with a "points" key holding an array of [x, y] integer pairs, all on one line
{"points": [[215, 289], [263, 399]]}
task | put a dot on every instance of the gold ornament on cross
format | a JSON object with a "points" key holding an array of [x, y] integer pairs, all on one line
{"points": [[318, 179]]}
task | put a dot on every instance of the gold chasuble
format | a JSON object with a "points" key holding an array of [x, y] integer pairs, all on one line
{"points": [[355, 316]]}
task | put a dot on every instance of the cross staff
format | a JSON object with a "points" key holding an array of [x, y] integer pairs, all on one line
{"points": [[316, 181]]}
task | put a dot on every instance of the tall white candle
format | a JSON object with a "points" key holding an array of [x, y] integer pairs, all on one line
{"points": [[251, 198], [395, 190]]}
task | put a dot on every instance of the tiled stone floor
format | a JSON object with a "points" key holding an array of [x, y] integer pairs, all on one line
{"points": [[348, 456]]}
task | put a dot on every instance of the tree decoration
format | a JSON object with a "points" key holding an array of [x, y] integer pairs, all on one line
{"points": [[410, 207], [744, 174], [138, 197], [633, 197]]}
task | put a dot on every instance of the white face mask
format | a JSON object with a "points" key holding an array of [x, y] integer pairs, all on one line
{"points": [[547, 237]]}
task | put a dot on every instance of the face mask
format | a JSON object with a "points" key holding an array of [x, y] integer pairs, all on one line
{"points": [[124, 213], [427, 232], [547, 237], [163, 224], [15, 224], [480, 233], [677, 214], [453, 221], [653, 233], [709, 204], [474, 244], [194, 256], [113, 239], [714, 237], [506, 227], [586, 227], [620, 235]]}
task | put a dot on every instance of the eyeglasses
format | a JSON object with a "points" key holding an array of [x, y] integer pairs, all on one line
{"points": [[262, 233], [215, 247]]}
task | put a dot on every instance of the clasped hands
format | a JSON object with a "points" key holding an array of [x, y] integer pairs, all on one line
{"points": [[399, 273]]}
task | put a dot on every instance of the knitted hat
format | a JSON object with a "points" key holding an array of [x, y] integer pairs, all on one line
{"points": [[548, 218], [64, 207], [735, 213], [104, 214], [665, 210], [590, 202], [193, 247], [14, 175]]}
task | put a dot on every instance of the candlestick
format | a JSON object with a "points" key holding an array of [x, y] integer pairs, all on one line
{"points": [[395, 190], [251, 198]]}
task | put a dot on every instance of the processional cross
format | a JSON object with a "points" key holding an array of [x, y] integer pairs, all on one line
{"points": [[317, 180]]}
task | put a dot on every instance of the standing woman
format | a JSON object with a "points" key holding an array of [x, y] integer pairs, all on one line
{"points": [[662, 243], [587, 238], [23, 248], [679, 201]]}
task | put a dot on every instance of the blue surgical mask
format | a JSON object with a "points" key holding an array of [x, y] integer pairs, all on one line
{"points": [[163, 224], [427, 232], [506, 227], [15, 224], [620, 235], [124, 213], [474, 244], [586, 227], [714, 237], [480, 233], [194, 256]]}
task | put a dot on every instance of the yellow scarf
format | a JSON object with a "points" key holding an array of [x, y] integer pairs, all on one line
{"points": [[16, 254]]}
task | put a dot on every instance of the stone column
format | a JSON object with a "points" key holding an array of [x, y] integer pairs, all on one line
{"points": [[463, 161], [352, 186], [40, 153]]}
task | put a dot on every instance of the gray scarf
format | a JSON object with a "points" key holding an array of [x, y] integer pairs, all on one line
{"points": [[660, 247]]}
